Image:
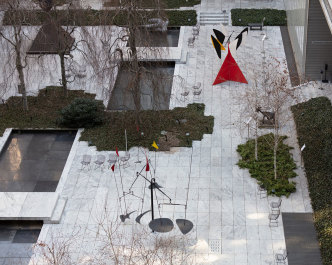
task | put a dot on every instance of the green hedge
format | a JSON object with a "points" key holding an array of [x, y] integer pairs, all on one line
{"points": [[165, 3], [314, 128], [90, 17], [263, 169], [45, 112], [111, 133], [273, 17], [180, 3]]}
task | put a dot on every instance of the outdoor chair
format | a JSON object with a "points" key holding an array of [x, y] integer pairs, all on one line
{"points": [[197, 86], [112, 159], [273, 218], [261, 192], [184, 96], [195, 31], [100, 161], [86, 161], [275, 206], [124, 160], [281, 257], [197, 94], [191, 42]]}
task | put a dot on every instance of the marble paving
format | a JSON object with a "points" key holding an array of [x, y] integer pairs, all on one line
{"points": [[222, 199]]}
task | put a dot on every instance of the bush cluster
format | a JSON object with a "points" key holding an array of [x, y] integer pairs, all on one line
{"points": [[273, 17], [165, 3], [178, 121], [314, 128], [91, 17], [180, 3], [263, 169], [82, 113]]}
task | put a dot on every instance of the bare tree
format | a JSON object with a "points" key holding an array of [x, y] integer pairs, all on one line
{"points": [[124, 48], [62, 35], [136, 244], [14, 35], [278, 96], [267, 100]]}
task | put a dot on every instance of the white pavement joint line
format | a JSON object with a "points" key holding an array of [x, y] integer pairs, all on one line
{"points": [[4, 138]]}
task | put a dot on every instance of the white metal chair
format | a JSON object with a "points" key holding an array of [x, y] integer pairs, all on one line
{"points": [[281, 257], [191, 42], [195, 31], [86, 162], [112, 159], [273, 218], [275, 206], [197, 86], [100, 161], [197, 94], [261, 192], [184, 96], [125, 160]]}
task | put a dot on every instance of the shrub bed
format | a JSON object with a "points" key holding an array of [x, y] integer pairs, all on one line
{"points": [[91, 17], [273, 17], [166, 3], [82, 113], [177, 122], [263, 169], [314, 128], [45, 112]]}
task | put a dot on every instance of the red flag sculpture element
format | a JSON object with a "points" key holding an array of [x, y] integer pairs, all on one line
{"points": [[116, 151], [112, 167], [147, 166], [230, 71]]}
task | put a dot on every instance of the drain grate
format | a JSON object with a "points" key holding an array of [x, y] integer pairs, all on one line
{"points": [[215, 246]]}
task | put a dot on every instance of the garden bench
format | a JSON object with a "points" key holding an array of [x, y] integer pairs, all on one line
{"points": [[258, 26]]}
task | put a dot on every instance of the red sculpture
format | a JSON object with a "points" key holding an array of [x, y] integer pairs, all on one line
{"points": [[230, 71]]}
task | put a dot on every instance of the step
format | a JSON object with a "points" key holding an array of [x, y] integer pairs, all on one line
{"points": [[213, 15], [57, 213], [213, 19]]}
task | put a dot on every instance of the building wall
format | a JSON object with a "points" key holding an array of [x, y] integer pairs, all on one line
{"points": [[297, 13], [319, 43]]}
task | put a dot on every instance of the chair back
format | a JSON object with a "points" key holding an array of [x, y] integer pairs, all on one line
{"points": [[197, 93], [279, 202], [100, 158], [86, 158]]}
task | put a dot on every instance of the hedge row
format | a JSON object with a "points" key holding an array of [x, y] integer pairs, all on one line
{"points": [[263, 168], [314, 128], [90, 17], [52, 109], [273, 17], [166, 3]]}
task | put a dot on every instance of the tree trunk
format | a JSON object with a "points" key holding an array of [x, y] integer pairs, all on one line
{"points": [[19, 68], [135, 84], [276, 141], [275, 149], [256, 140], [63, 73]]}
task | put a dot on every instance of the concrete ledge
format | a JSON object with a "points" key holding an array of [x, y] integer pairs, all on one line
{"points": [[69, 162], [4, 138], [27, 205]]}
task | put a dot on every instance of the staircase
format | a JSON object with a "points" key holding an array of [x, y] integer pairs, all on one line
{"points": [[209, 18]]}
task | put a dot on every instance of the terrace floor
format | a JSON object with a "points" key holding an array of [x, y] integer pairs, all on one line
{"points": [[230, 220]]}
